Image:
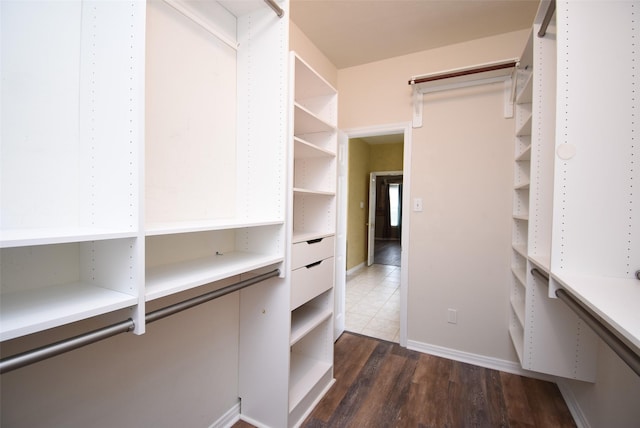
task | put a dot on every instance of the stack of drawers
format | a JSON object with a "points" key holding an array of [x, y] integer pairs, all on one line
{"points": [[312, 265]]}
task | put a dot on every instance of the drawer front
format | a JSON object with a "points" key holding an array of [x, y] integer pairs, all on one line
{"points": [[304, 253], [310, 281]]}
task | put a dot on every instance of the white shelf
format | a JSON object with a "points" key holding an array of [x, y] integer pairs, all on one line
{"points": [[525, 129], [155, 229], [521, 249], [305, 149], [525, 155], [169, 279], [305, 373], [312, 192], [520, 274], [521, 186], [542, 261], [47, 236], [517, 337], [305, 319], [613, 299], [306, 122], [526, 94], [518, 307], [310, 84], [522, 217], [30, 311]]}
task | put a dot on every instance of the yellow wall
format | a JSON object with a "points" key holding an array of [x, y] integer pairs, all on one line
{"points": [[364, 159], [386, 157], [358, 182]]}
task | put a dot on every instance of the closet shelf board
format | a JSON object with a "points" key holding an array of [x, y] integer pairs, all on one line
{"points": [[29, 237], [176, 277], [610, 298], [306, 318], [30, 311], [169, 228]]}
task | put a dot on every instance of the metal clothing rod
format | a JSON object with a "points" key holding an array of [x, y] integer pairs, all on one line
{"points": [[547, 18], [35, 355], [598, 325], [195, 301], [481, 69], [277, 9]]}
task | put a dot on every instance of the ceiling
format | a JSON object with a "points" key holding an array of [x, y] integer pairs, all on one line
{"points": [[354, 32]]}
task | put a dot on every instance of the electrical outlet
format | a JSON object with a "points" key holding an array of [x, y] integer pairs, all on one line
{"points": [[452, 316]]}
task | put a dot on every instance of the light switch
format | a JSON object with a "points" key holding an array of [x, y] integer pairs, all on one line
{"points": [[417, 204]]}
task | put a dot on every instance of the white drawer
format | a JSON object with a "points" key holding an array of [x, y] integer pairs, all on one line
{"points": [[304, 253], [310, 281]]}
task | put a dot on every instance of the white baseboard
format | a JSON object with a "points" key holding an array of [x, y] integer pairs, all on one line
{"points": [[476, 359], [356, 268], [572, 403], [229, 418]]}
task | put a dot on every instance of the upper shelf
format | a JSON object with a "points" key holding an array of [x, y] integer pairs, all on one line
{"points": [[47, 236], [306, 150], [306, 122], [169, 228]]}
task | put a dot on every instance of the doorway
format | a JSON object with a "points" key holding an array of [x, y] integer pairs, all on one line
{"points": [[358, 201], [385, 218]]}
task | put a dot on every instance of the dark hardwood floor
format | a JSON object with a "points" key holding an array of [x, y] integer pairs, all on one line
{"points": [[380, 384], [387, 252]]}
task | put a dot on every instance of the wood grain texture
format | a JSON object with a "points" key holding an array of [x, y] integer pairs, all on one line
{"points": [[380, 385]]}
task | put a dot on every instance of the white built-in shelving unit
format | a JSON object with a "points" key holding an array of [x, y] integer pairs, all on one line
{"points": [[573, 209], [596, 227], [313, 212], [71, 163], [144, 153]]}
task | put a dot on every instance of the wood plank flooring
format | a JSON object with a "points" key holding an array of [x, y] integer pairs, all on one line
{"points": [[387, 252], [380, 384]]}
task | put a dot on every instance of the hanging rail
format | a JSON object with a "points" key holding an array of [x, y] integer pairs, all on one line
{"points": [[464, 72], [33, 356], [547, 18], [277, 9], [597, 324]]}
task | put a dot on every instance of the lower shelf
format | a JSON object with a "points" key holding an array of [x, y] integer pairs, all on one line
{"points": [[34, 310], [306, 373], [517, 337]]}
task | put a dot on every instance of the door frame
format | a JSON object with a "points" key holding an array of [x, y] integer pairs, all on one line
{"points": [[371, 222], [406, 129]]}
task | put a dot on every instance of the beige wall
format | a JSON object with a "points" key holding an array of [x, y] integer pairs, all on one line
{"points": [[461, 166]]}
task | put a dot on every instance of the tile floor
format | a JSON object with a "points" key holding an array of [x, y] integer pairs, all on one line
{"points": [[373, 302]]}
